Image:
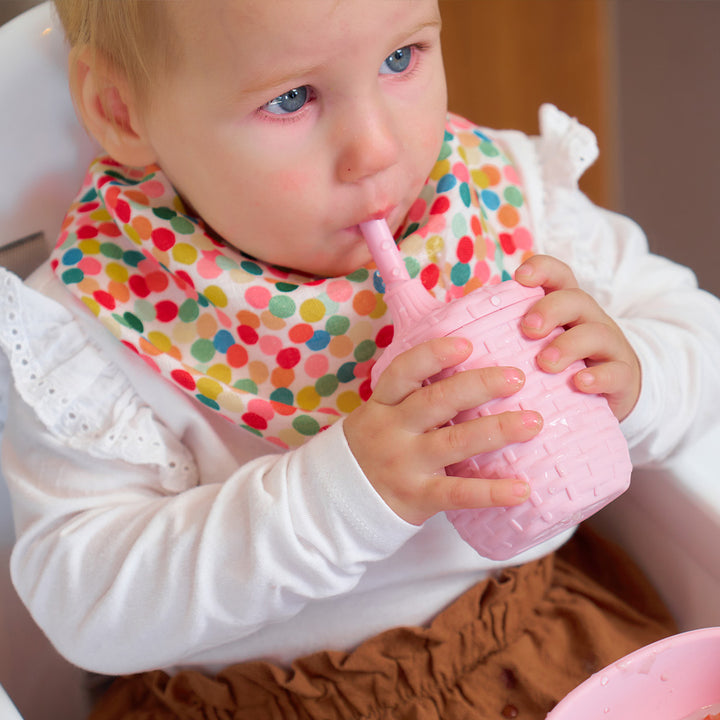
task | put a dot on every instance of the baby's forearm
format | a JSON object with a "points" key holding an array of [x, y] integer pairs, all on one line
{"points": [[679, 348], [674, 328], [123, 577]]}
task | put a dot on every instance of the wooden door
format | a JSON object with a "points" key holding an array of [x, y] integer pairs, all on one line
{"points": [[504, 58]]}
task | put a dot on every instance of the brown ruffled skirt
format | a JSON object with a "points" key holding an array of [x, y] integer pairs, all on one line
{"points": [[510, 647]]}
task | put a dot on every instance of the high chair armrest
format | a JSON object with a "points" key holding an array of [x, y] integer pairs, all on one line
{"points": [[669, 521]]}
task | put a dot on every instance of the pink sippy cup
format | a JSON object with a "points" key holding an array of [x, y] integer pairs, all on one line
{"points": [[576, 464]]}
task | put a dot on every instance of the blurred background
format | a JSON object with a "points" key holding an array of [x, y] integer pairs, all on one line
{"points": [[643, 74]]}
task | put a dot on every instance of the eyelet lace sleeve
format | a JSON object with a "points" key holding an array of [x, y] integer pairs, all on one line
{"points": [[76, 392], [566, 224], [4, 389], [564, 150], [567, 149]]}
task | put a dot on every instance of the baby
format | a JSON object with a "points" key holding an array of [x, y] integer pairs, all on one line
{"points": [[220, 497]]}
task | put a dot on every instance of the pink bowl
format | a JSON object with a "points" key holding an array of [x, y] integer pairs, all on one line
{"points": [[668, 680]]}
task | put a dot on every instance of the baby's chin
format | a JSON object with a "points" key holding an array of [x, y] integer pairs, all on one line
{"points": [[338, 269], [337, 255]]}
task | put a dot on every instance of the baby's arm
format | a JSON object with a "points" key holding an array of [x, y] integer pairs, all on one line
{"points": [[142, 543], [672, 327], [125, 575], [400, 440]]}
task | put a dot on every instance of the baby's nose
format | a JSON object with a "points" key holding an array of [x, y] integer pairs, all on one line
{"points": [[370, 145]]}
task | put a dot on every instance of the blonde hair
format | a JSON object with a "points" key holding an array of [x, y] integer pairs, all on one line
{"points": [[131, 35]]}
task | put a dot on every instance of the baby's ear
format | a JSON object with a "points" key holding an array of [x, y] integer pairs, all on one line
{"points": [[108, 108]]}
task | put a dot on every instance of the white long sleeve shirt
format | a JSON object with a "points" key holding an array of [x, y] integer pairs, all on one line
{"points": [[154, 534]]}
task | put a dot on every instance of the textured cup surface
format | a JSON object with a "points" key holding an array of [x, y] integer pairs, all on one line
{"points": [[578, 462]]}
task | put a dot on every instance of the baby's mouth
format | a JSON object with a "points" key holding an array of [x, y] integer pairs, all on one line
{"points": [[382, 214]]}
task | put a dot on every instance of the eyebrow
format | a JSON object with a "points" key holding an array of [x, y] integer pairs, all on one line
{"points": [[287, 79]]}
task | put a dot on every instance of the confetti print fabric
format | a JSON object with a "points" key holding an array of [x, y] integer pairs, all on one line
{"points": [[282, 354]]}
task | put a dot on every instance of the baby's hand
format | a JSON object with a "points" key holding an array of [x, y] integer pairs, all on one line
{"points": [[400, 440], [613, 367]]}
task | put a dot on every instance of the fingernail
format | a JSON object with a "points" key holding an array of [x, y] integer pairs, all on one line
{"points": [[524, 271], [549, 355], [531, 420], [533, 321], [513, 376], [586, 379], [461, 344], [521, 489]]}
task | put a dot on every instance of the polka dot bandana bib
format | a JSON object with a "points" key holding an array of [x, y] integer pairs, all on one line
{"points": [[281, 354]]}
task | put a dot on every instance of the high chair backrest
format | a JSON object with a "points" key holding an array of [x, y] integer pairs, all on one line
{"points": [[44, 150]]}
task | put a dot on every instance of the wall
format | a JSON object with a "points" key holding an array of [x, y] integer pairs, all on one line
{"points": [[10, 8], [668, 128], [643, 74], [504, 58]]}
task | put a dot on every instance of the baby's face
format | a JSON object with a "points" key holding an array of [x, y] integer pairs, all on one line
{"points": [[288, 122]]}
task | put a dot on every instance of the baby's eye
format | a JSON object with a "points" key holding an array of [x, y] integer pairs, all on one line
{"points": [[288, 102], [398, 62]]}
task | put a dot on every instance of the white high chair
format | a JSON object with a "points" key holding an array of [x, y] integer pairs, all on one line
{"points": [[45, 151], [43, 155], [669, 519]]}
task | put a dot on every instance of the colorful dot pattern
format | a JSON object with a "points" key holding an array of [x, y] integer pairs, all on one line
{"points": [[282, 354]]}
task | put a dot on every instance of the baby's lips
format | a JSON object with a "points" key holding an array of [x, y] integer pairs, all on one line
{"points": [[381, 214]]}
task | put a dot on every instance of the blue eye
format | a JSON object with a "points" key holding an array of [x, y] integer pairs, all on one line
{"points": [[288, 102], [398, 62]]}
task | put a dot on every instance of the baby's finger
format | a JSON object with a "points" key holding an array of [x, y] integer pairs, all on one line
{"points": [[454, 443], [439, 402], [546, 271], [564, 308], [459, 493], [407, 372], [616, 381], [605, 378], [594, 342]]}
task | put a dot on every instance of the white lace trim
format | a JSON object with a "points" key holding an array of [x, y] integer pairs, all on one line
{"points": [[77, 393], [567, 148], [4, 388], [568, 220]]}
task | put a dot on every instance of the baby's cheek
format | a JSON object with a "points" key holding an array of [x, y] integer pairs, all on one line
{"points": [[432, 141], [296, 195], [292, 181], [430, 147]]}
